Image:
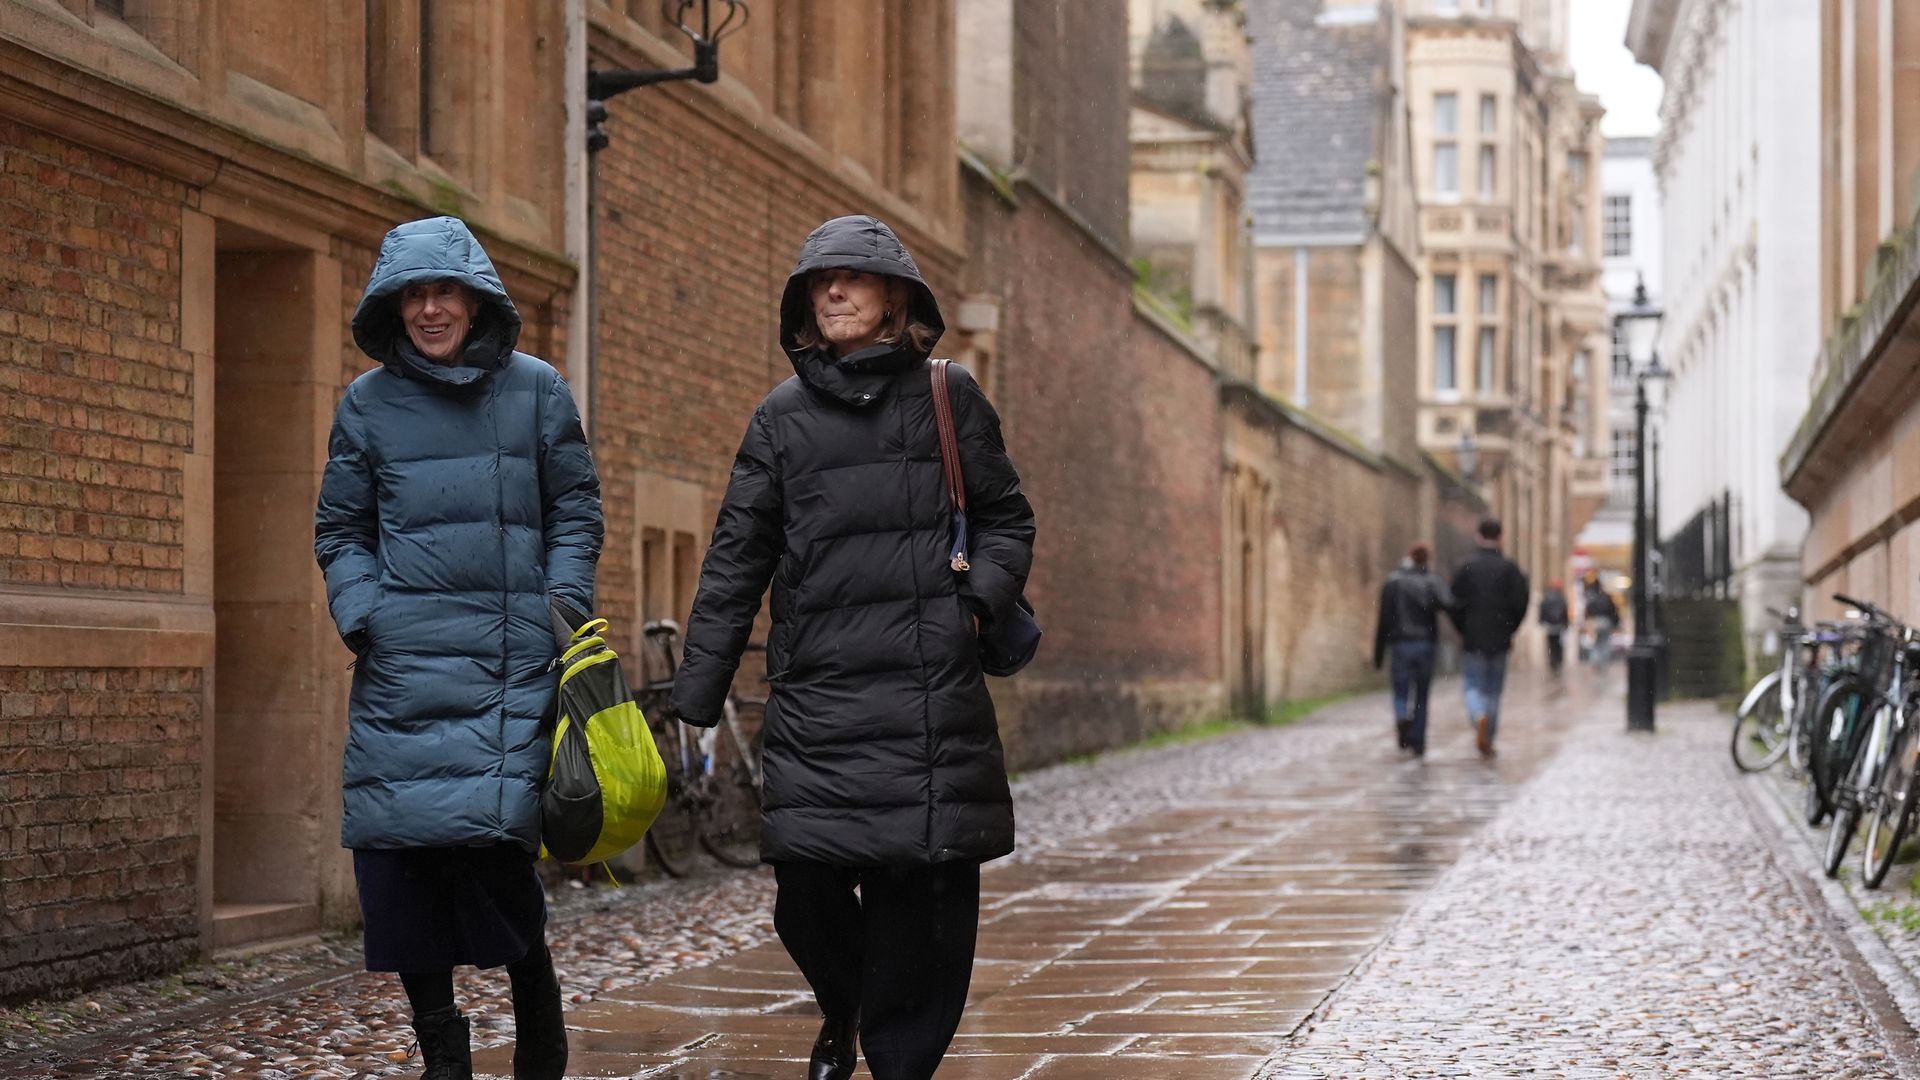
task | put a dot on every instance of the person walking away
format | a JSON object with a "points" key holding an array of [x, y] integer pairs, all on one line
{"points": [[1603, 617], [886, 786], [1554, 620], [1490, 598], [459, 514], [1407, 630]]}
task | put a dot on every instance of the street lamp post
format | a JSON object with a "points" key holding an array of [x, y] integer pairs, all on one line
{"points": [[1657, 579], [604, 83], [1641, 323]]}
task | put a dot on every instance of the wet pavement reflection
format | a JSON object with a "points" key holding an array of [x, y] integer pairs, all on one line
{"points": [[1191, 941]]}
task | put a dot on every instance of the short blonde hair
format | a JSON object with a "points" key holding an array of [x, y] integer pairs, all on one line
{"points": [[899, 326]]}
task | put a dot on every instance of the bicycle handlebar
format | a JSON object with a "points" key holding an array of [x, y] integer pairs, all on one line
{"points": [[1862, 606]]}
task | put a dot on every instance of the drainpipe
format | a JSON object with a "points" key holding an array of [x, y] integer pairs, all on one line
{"points": [[1300, 326], [582, 348]]}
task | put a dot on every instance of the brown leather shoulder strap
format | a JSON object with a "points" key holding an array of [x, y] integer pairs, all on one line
{"points": [[949, 438]]}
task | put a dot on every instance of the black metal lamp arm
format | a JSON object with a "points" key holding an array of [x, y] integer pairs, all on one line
{"points": [[607, 83]]}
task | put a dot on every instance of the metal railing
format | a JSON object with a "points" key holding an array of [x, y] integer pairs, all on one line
{"points": [[1697, 559]]}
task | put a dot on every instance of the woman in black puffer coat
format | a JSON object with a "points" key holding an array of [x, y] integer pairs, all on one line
{"points": [[883, 762]]}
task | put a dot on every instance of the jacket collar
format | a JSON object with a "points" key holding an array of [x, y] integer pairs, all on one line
{"points": [[858, 379]]}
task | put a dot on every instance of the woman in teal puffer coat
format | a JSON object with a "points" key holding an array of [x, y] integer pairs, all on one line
{"points": [[459, 511]]}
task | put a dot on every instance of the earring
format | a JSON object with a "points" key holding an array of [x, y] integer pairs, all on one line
{"points": [[888, 314]]}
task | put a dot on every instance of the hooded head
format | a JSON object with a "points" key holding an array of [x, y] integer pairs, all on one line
{"points": [[867, 245], [431, 250]]}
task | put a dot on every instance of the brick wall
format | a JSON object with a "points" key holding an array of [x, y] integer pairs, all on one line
{"points": [[1116, 433], [99, 825], [96, 402], [698, 231], [100, 795], [1071, 107], [1399, 355]]}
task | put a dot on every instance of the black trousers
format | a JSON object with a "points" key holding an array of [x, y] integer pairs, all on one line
{"points": [[901, 952]]}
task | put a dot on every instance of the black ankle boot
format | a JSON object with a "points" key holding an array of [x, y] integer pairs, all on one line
{"points": [[540, 1030], [445, 1045], [834, 1052]]}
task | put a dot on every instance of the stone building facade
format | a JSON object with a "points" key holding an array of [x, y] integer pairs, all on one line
{"points": [[1739, 123], [1854, 460], [189, 205], [1632, 252], [1506, 154], [1336, 224], [191, 198]]}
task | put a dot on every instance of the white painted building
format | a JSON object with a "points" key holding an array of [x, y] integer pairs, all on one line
{"points": [[1630, 250], [1737, 159]]}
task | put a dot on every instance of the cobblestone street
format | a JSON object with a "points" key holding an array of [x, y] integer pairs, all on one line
{"points": [[1282, 903], [1626, 916]]}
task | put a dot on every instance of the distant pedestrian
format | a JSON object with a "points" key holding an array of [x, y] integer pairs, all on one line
{"points": [[1410, 605], [1490, 600], [1602, 617], [886, 786], [459, 510], [1553, 617]]}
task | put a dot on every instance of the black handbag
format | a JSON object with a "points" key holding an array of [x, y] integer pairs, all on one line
{"points": [[1006, 645]]}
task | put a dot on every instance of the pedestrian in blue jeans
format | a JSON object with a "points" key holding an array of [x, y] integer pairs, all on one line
{"points": [[1490, 601], [1410, 605]]}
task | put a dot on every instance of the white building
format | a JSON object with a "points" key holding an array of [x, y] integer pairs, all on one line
{"points": [[1738, 159], [1630, 250]]}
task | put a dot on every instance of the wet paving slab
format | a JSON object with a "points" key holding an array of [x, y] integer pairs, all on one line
{"points": [[1193, 942]]}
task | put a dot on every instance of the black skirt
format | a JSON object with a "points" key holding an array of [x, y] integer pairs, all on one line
{"points": [[434, 909]]}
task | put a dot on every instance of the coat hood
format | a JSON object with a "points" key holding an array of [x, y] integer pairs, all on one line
{"points": [[855, 242], [434, 249]]}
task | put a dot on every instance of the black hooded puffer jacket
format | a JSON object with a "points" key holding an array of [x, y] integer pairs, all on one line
{"points": [[881, 744]]}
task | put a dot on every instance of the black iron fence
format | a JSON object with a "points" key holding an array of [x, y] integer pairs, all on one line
{"points": [[1696, 562]]}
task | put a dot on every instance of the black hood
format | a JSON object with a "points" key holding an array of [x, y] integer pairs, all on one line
{"points": [[856, 242]]}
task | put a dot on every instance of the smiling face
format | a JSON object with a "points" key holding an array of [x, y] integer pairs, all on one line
{"points": [[437, 315], [851, 307]]}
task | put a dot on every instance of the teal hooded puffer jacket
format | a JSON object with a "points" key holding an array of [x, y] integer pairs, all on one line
{"points": [[456, 500]]}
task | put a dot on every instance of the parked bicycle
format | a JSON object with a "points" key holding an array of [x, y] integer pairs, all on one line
{"points": [[1845, 704], [713, 774], [1842, 648], [1774, 720], [1863, 715]]}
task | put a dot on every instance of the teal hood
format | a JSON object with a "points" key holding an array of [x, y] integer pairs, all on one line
{"points": [[434, 249]]}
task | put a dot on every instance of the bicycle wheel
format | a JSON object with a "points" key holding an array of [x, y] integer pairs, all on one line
{"points": [[1892, 811], [1760, 730], [1800, 737], [1833, 723], [730, 830], [1849, 797], [675, 833]]}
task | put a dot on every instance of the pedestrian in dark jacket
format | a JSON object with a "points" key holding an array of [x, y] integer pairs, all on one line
{"points": [[883, 765], [1602, 616], [1410, 605], [1490, 601], [1553, 617], [459, 505]]}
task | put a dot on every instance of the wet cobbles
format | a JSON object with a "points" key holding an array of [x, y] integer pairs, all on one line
{"points": [[1625, 917], [1283, 903], [310, 1011], [313, 1013], [1187, 926]]}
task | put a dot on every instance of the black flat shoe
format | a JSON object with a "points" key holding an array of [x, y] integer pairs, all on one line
{"points": [[834, 1054]]}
